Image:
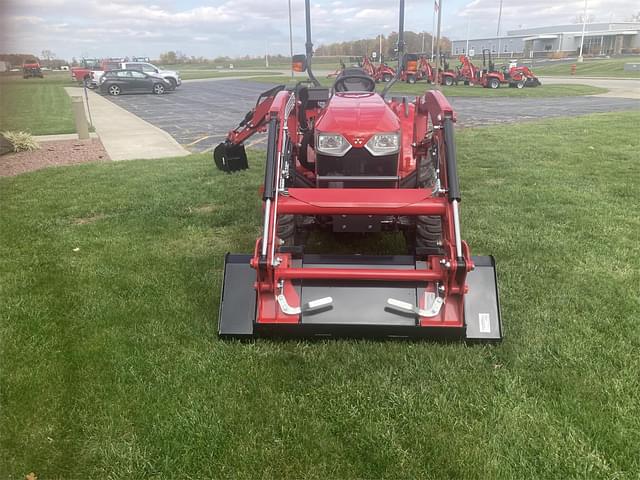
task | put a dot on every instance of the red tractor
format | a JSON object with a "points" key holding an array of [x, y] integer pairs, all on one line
{"points": [[31, 70], [490, 77], [347, 160], [380, 73], [417, 67]]}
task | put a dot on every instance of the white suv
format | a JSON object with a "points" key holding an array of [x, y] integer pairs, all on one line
{"points": [[172, 77]]}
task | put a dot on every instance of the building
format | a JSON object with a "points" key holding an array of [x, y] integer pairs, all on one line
{"points": [[560, 41], [4, 66]]}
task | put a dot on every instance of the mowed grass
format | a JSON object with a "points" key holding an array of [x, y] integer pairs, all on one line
{"points": [[611, 67], [36, 105], [111, 368], [461, 90]]}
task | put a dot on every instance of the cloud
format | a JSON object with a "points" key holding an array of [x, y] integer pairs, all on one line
{"points": [[237, 27]]}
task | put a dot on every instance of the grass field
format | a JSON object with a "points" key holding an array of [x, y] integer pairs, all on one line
{"points": [[462, 90], [612, 67], [39, 106], [110, 366]]}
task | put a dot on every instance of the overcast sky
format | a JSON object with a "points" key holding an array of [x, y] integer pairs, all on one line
{"points": [[102, 28]]}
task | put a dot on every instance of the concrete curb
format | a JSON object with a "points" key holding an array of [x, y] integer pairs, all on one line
{"points": [[62, 137]]}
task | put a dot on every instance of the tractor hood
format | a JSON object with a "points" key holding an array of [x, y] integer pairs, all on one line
{"points": [[357, 116]]}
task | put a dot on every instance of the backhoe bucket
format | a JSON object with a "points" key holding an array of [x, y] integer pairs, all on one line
{"points": [[353, 308], [230, 158]]}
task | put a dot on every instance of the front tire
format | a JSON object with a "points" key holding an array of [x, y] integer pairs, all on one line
{"points": [[411, 79], [448, 81], [427, 235], [386, 77], [494, 83], [114, 90], [158, 89]]}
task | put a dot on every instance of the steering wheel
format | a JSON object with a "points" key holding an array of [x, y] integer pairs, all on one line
{"points": [[356, 80]]}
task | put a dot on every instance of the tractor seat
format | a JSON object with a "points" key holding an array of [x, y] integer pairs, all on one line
{"points": [[354, 80]]}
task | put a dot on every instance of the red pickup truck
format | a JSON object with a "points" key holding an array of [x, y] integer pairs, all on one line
{"points": [[82, 74]]}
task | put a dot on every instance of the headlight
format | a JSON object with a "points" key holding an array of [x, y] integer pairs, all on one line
{"points": [[383, 144], [332, 144]]}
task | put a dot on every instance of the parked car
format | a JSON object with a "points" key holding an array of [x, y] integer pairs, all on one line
{"points": [[146, 67], [116, 82], [172, 77]]}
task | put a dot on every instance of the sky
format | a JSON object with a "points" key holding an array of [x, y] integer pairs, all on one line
{"points": [[211, 28]]}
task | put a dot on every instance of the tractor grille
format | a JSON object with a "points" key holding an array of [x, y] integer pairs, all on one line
{"points": [[357, 169]]}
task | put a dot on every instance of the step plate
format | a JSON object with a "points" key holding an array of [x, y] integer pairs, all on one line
{"points": [[359, 303], [481, 304]]}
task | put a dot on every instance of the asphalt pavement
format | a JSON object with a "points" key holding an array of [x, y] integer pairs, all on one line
{"points": [[199, 114]]}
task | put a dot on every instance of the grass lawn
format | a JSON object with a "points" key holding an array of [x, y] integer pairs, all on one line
{"points": [[39, 106], [110, 366], [612, 67], [464, 91], [199, 73]]}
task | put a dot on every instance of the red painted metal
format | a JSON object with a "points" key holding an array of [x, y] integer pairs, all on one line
{"points": [[371, 274], [358, 116]]}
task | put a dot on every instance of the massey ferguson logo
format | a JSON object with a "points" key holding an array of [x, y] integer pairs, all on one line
{"points": [[358, 141]]}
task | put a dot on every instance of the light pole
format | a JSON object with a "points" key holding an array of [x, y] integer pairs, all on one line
{"points": [[290, 39], [439, 6], [466, 51], [498, 32], [584, 26]]}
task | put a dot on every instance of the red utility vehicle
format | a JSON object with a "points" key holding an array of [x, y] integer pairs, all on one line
{"points": [[30, 70], [348, 160]]}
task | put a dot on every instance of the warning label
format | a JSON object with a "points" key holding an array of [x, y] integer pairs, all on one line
{"points": [[484, 320]]}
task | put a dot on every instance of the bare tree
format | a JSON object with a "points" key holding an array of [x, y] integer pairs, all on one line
{"points": [[48, 55]]}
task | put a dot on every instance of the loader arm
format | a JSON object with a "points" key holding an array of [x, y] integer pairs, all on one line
{"points": [[230, 156]]}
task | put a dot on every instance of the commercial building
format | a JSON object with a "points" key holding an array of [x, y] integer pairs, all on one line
{"points": [[561, 40]]}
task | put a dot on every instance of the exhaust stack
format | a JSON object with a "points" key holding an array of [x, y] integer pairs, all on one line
{"points": [[309, 45]]}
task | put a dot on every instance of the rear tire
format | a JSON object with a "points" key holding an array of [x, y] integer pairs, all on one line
{"points": [[494, 83], [114, 90], [386, 77], [520, 84], [411, 79], [448, 81]]}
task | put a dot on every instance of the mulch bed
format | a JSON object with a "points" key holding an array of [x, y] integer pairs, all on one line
{"points": [[52, 154]]}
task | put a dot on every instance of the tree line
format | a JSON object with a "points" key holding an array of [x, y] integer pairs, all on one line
{"points": [[414, 43]]}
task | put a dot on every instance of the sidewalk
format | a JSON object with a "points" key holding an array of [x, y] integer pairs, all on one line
{"points": [[124, 135], [618, 87]]}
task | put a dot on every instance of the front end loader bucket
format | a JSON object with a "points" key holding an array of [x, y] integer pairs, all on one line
{"points": [[230, 158], [360, 308]]}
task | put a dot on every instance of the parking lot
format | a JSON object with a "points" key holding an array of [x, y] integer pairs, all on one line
{"points": [[199, 114]]}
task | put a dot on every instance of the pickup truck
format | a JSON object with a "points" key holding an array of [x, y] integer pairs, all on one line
{"points": [[84, 73], [169, 75]]}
